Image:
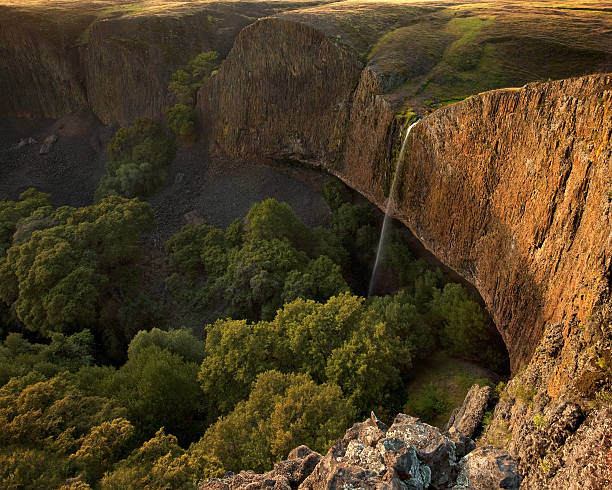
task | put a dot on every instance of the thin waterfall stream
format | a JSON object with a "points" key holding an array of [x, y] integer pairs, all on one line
{"points": [[388, 210]]}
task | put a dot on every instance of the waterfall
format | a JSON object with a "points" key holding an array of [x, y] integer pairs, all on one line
{"points": [[388, 211]]}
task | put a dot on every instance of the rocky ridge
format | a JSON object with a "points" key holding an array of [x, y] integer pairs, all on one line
{"points": [[407, 455]]}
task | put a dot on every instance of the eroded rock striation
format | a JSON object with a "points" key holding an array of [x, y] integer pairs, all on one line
{"points": [[113, 57], [284, 92]]}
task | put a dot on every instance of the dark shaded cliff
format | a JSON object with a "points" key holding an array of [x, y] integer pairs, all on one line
{"points": [[113, 56], [270, 100]]}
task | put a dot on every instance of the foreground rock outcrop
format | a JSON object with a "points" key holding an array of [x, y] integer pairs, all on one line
{"points": [[407, 455], [467, 418]]}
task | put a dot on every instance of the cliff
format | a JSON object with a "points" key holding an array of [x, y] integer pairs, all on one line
{"points": [[284, 92], [510, 188], [113, 56]]}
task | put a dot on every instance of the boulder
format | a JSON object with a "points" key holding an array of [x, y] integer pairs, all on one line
{"points": [[468, 417], [463, 444], [434, 449], [48, 144], [286, 475], [367, 458], [486, 468]]}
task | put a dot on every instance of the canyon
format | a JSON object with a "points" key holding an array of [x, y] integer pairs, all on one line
{"points": [[511, 188]]}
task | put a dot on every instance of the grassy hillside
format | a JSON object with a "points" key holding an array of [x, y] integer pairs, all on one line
{"points": [[436, 52]]}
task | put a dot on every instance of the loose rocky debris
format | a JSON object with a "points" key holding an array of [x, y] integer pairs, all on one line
{"points": [[48, 144], [487, 468], [286, 475], [467, 418], [409, 455]]}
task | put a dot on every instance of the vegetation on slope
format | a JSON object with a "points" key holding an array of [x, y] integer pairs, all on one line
{"points": [[138, 156], [292, 358]]}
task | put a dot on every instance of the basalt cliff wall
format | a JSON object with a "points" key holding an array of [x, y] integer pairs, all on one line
{"points": [[55, 59], [510, 188]]}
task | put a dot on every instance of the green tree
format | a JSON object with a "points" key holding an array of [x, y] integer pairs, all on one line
{"points": [[181, 342], [253, 281], [314, 330], [401, 313], [185, 82], [159, 389], [45, 421], [181, 120], [76, 274], [335, 194], [12, 212], [18, 356], [161, 463], [138, 158], [101, 446], [282, 411], [320, 280], [370, 366], [273, 220], [467, 331], [236, 352]]}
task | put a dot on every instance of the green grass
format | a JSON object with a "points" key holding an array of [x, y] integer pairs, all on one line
{"points": [[458, 51], [442, 383]]}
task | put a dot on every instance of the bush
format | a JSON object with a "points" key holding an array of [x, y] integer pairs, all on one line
{"points": [[185, 82], [467, 331], [428, 403], [282, 412], [181, 120], [181, 342], [335, 194], [159, 389], [138, 158]]}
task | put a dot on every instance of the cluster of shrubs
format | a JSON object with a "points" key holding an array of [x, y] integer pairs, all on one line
{"points": [[138, 156], [184, 85], [289, 357]]}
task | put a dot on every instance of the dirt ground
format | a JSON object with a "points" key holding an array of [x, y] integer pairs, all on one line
{"points": [[198, 189]]}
